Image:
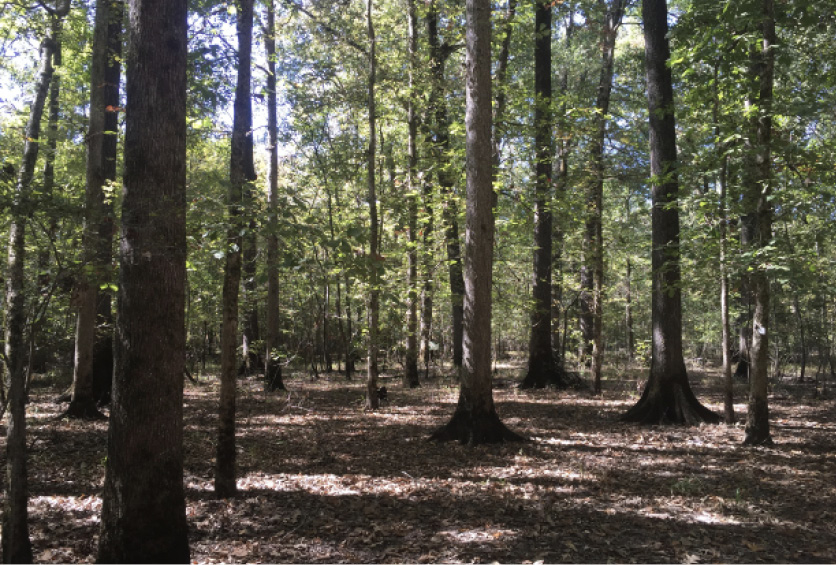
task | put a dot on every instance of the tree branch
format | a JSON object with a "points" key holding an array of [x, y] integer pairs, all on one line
{"points": [[336, 33]]}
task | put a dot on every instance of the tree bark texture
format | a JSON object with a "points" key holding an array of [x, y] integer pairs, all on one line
{"points": [[475, 420], [272, 365], [372, 401], [667, 397], [93, 372], [143, 508], [241, 173], [541, 367], [411, 369], [759, 192]]}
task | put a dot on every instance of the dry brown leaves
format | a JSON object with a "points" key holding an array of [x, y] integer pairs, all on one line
{"points": [[322, 481]]}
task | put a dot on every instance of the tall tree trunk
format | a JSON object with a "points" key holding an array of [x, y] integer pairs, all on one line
{"points": [[728, 381], [143, 507], [372, 400], [475, 420], [541, 369], [16, 545], [613, 11], [241, 173], [272, 367], [439, 52], [758, 194], [94, 342], [667, 397], [411, 369]]}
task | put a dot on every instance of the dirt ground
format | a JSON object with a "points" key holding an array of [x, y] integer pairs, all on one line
{"points": [[322, 481]]}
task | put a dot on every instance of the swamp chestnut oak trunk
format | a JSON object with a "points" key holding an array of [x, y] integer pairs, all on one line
{"points": [[475, 420], [93, 371], [667, 397], [241, 173], [143, 509], [411, 369]]}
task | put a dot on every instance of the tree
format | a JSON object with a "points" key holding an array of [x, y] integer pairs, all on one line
{"points": [[372, 400], [411, 369], [241, 173], [541, 366], [667, 396], [16, 546], [758, 197], [143, 509], [94, 341], [272, 367], [475, 420]]}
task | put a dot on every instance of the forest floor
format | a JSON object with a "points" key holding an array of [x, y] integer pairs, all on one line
{"points": [[323, 481]]}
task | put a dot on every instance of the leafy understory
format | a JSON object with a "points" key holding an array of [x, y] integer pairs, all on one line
{"points": [[323, 481]]}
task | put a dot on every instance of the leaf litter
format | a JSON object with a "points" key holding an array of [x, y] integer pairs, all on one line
{"points": [[321, 481]]}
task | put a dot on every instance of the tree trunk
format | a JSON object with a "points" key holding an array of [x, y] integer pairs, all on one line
{"points": [[758, 195], [613, 13], [667, 397], [372, 400], [143, 508], [272, 366], [411, 369], [541, 368], [241, 173], [92, 377], [16, 546], [475, 420]]}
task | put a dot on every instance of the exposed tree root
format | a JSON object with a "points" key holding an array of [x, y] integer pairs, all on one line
{"points": [[82, 410], [475, 429], [670, 403]]}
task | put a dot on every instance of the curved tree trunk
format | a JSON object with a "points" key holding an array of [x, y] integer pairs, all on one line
{"points": [[272, 365], [143, 507], [667, 397], [241, 172], [475, 420]]}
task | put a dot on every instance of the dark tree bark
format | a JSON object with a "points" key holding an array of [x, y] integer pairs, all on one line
{"points": [[475, 420], [411, 369], [143, 508], [372, 401], [758, 196], [541, 367], [16, 546], [93, 373], [667, 397], [241, 173], [272, 366]]}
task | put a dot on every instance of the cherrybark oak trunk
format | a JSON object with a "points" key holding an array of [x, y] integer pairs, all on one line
{"points": [[272, 365], [241, 173], [667, 397], [759, 192], [475, 420], [411, 368], [93, 372], [372, 400], [541, 367], [143, 508]]}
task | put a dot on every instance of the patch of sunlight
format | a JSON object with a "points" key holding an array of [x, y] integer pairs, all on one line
{"points": [[485, 534], [328, 484], [91, 504]]}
